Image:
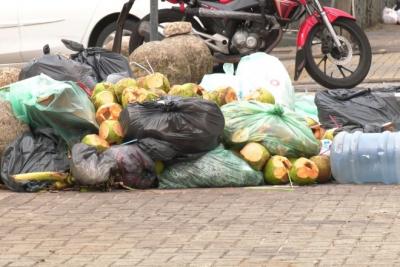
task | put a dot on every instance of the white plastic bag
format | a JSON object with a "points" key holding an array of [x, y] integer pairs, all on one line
{"points": [[389, 16], [398, 16], [261, 70], [213, 81]]}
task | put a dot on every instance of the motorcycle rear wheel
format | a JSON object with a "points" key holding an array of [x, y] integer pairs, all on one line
{"points": [[340, 66], [164, 16]]}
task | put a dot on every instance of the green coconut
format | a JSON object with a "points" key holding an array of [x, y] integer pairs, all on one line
{"points": [[104, 86], [276, 172], [221, 96], [262, 95], [108, 112], [212, 96], [240, 136], [95, 141], [304, 172], [111, 131], [103, 98], [186, 90], [256, 155], [122, 85], [156, 81], [137, 95], [324, 166], [158, 92]]}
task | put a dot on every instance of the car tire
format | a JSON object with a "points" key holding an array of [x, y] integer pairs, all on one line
{"points": [[110, 28]]}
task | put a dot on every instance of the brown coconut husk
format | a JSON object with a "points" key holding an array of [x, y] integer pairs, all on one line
{"points": [[124, 45], [162, 58], [196, 52], [8, 76], [10, 127], [177, 28]]}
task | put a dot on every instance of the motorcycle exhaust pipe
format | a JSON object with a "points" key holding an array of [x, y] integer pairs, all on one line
{"points": [[237, 15]]}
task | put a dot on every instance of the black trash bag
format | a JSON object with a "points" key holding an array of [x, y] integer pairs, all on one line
{"points": [[134, 168], [187, 125], [88, 167], [357, 110], [59, 68], [40, 151], [164, 151], [102, 61]]}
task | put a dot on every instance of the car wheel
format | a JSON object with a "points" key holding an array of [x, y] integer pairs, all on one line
{"points": [[107, 35]]}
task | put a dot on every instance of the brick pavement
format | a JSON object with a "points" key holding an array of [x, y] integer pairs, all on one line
{"points": [[332, 225]]}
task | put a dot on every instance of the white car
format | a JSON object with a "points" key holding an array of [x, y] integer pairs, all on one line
{"points": [[27, 25]]}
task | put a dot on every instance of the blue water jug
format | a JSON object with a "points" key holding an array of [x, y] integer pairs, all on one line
{"points": [[366, 158]]}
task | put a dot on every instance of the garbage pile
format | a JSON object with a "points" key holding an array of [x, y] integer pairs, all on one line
{"points": [[85, 123]]}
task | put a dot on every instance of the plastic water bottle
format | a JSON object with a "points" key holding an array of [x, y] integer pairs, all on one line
{"points": [[366, 158]]}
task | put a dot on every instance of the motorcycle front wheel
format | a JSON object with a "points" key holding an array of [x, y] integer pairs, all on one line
{"points": [[332, 68]]}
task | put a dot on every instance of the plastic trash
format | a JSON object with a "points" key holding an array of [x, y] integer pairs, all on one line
{"points": [[40, 151], [389, 16], [164, 151], [357, 110], [218, 168], [59, 68], [305, 106], [214, 81], [116, 77], [189, 125], [102, 61], [125, 163], [280, 130], [366, 158], [260, 70], [43, 102], [135, 168], [398, 16], [88, 167]]}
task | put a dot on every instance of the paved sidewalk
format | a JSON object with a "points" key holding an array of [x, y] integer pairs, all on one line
{"points": [[328, 225]]}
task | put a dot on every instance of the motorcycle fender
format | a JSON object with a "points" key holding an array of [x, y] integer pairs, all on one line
{"points": [[305, 29]]}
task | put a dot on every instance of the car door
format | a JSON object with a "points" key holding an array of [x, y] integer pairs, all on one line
{"points": [[48, 21], [10, 42]]}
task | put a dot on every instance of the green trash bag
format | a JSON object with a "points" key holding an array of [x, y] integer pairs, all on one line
{"points": [[280, 130], [43, 102], [305, 106], [217, 168]]}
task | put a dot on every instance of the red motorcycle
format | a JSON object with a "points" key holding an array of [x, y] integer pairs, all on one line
{"points": [[330, 45]]}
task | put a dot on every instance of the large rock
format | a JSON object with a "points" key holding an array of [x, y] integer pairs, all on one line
{"points": [[183, 59], [8, 76]]}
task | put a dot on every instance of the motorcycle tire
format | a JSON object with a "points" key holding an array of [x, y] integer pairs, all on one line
{"points": [[358, 75], [164, 15]]}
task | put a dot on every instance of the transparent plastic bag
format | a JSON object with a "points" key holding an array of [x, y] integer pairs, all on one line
{"points": [[280, 130], [261, 70], [305, 106], [217, 168], [43, 102], [214, 81], [89, 167]]}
